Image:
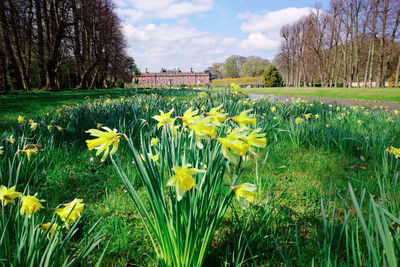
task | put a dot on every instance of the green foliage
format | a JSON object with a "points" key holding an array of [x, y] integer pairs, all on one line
{"points": [[294, 208], [230, 68], [272, 78], [253, 67]]}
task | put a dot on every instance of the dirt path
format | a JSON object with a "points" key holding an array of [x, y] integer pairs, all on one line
{"points": [[341, 101]]}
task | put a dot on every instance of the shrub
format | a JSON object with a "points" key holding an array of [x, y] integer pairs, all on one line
{"points": [[272, 78]]}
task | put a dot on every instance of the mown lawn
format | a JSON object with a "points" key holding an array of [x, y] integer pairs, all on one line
{"points": [[382, 94]]}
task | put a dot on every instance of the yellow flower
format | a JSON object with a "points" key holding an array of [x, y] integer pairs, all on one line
{"points": [[243, 119], [155, 157], [203, 94], [396, 111], [233, 142], [307, 116], [108, 101], [273, 109], [337, 108], [274, 118], [8, 195], [52, 230], [21, 119], [215, 116], [360, 122], [244, 192], [104, 140], [164, 118], [390, 150], [396, 152], [203, 130], [71, 211], [30, 204], [154, 141], [187, 117], [183, 179], [316, 116], [235, 86], [28, 152], [49, 127], [299, 120], [1, 150], [10, 139], [255, 139], [389, 119], [99, 125], [34, 126], [59, 128]]}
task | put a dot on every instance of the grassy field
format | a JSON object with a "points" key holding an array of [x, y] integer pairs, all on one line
{"points": [[327, 188], [383, 94]]}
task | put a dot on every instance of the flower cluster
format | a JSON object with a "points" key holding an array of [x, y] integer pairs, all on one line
{"points": [[31, 204], [394, 151]]}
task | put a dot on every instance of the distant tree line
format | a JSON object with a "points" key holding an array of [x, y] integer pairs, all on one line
{"points": [[238, 66], [355, 42], [55, 44]]}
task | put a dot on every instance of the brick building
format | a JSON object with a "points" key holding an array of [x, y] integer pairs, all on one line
{"points": [[172, 77]]}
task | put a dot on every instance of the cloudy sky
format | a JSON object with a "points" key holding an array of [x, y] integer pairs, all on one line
{"points": [[196, 33]]}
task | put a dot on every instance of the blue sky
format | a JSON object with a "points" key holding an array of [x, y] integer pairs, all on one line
{"points": [[196, 33]]}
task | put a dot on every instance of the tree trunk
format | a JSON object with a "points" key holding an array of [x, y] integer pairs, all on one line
{"points": [[373, 31]]}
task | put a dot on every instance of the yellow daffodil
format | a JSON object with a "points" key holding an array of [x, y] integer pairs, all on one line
{"points": [[108, 101], [307, 116], [21, 119], [49, 127], [154, 141], [1, 150], [104, 140], [360, 122], [203, 94], [8, 195], [389, 119], [396, 111], [243, 119], [10, 139], [299, 120], [59, 128], [29, 151], [255, 139], [233, 142], [99, 125], [71, 211], [30, 204], [244, 192], [183, 179], [215, 116], [188, 116], [274, 118], [273, 109], [202, 129], [316, 116], [53, 228], [164, 118], [155, 158], [235, 86], [390, 149], [34, 126]]}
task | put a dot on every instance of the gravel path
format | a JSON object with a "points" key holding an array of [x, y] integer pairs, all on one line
{"points": [[341, 101]]}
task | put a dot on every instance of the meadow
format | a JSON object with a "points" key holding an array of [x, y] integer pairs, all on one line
{"points": [[185, 178]]}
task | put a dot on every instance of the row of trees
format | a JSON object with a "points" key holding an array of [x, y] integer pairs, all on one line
{"points": [[55, 44], [238, 66], [355, 42]]}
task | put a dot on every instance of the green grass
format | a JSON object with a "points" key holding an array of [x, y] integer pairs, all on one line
{"points": [[301, 166], [382, 94]]}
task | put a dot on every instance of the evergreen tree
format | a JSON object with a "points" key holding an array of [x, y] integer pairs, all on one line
{"points": [[272, 78]]}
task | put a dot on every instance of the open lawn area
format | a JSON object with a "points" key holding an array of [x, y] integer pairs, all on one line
{"points": [[382, 94], [188, 178]]}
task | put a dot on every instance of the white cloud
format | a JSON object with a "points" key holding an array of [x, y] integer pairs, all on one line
{"points": [[176, 45], [264, 29], [134, 11]]}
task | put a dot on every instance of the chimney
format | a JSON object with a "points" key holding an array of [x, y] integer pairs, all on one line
{"points": [[147, 71], [191, 70]]}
